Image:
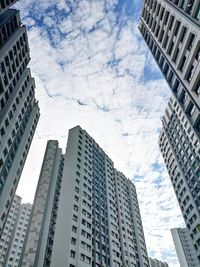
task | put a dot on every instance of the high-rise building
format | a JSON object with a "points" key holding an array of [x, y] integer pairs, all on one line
{"points": [[180, 148], [157, 263], [19, 112], [19, 235], [9, 228], [14, 233], [40, 235], [5, 4], [184, 248], [171, 30], [85, 212]]}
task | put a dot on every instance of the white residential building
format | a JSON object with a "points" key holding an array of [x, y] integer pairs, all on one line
{"points": [[19, 236], [157, 263], [184, 248], [85, 212], [9, 229]]}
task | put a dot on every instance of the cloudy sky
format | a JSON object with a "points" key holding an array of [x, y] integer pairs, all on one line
{"points": [[92, 68]]}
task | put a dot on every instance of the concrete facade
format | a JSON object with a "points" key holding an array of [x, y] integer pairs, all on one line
{"points": [[157, 263], [43, 215], [184, 248], [19, 236], [9, 229], [180, 148], [5, 4], [19, 112], [173, 37], [95, 218], [171, 29], [14, 233]]}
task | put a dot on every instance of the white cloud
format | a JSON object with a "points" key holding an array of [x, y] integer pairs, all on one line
{"points": [[75, 59]]}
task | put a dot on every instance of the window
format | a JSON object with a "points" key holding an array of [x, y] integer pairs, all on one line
{"points": [[162, 13], [166, 68], [189, 6], [177, 27], [72, 254], [191, 41], [73, 241], [165, 41], [176, 52], [77, 189], [85, 258], [75, 207], [183, 33], [197, 87], [176, 86], [6, 122], [171, 22], [190, 73], [183, 60], [166, 17], [75, 218], [1, 162], [197, 54], [74, 229], [183, 97], [170, 48], [197, 15], [197, 126], [2, 131]]}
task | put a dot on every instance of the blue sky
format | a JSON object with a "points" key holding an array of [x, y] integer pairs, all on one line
{"points": [[92, 68]]}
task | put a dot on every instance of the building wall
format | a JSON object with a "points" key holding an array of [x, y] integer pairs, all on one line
{"points": [[19, 235], [174, 40], [95, 218], [157, 263], [90, 182], [8, 231], [184, 248], [171, 30], [35, 246], [4, 4], [131, 231], [180, 149], [19, 112]]}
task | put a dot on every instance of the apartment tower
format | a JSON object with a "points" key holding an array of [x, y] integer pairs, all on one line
{"points": [[157, 263], [85, 212], [19, 235], [184, 248], [19, 112], [14, 232], [171, 30], [9, 229], [180, 148]]}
